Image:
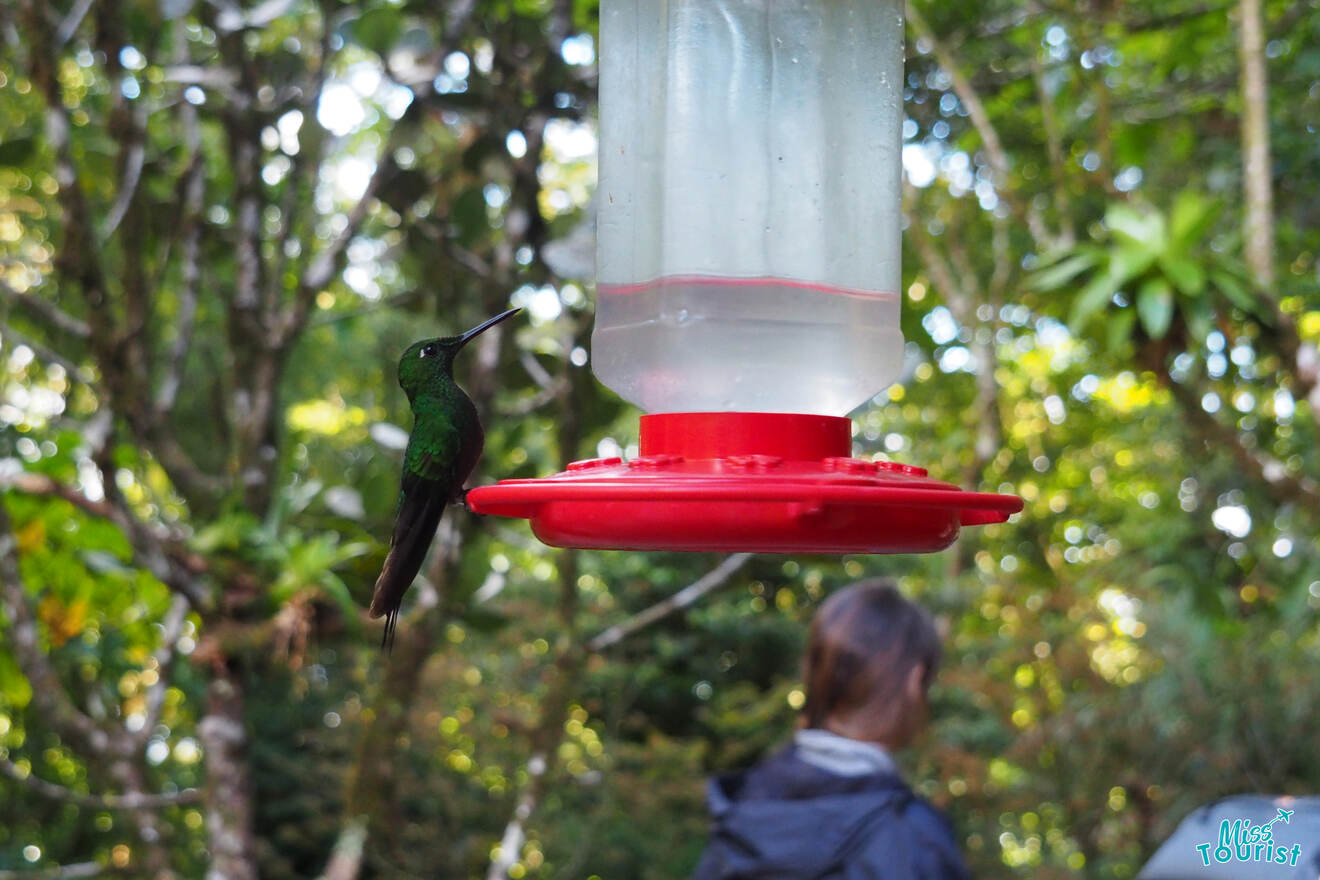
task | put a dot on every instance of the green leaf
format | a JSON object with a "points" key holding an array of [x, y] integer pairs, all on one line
{"points": [[1058, 255], [1236, 292], [468, 213], [378, 29], [1129, 262], [483, 619], [1200, 319], [334, 587], [15, 689], [1165, 576], [1093, 298], [16, 151], [1118, 331], [1185, 273], [1191, 218], [1101, 289], [1155, 306], [1062, 272], [1145, 230], [228, 532]]}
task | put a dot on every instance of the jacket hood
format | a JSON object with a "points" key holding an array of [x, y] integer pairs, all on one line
{"points": [[788, 818]]}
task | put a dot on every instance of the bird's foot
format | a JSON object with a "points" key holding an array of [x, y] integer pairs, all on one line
{"points": [[462, 499]]}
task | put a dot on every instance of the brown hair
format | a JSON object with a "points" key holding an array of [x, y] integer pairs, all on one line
{"points": [[864, 642]]}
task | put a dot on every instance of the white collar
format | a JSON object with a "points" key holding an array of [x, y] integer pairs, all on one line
{"points": [[840, 755]]}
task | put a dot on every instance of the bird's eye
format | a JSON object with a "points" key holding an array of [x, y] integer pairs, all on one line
{"points": [[427, 351]]}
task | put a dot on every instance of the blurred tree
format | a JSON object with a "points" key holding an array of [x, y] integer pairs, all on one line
{"points": [[220, 223]]}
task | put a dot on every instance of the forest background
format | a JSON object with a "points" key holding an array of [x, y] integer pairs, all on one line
{"points": [[220, 224]]}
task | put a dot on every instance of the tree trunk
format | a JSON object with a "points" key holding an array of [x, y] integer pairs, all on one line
{"points": [[549, 733], [373, 781], [229, 791], [1258, 223], [154, 858], [346, 860]]}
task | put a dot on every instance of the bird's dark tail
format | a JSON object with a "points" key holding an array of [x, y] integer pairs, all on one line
{"points": [[387, 637], [419, 514]]}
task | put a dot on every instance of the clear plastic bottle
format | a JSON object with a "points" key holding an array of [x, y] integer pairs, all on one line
{"points": [[749, 218]]}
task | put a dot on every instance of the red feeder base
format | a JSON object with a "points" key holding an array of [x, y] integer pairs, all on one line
{"points": [[759, 482]]}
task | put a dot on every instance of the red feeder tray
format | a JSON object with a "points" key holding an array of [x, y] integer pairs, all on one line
{"points": [[759, 482]]}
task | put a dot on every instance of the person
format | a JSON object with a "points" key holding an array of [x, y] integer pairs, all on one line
{"points": [[832, 805]]}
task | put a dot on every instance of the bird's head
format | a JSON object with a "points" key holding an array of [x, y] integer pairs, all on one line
{"points": [[432, 360]]}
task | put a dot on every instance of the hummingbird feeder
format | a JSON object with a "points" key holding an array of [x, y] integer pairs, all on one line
{"points": [[748, 277]]}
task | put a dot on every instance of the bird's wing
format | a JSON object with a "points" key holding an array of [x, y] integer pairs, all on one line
{"points": [[425, 489], [433, 450]]}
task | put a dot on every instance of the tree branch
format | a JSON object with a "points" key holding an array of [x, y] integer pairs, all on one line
{"points": [[390, 302], [194, 190], [1172, 20], [172, 629], [307, 162], [64, 872], [126, 357], [45, 311], [1263, 467], [1054, 146], [514, 833], [135, 154], [327, 263], [39, 484], [468, 260], [78, 256], [221, 80], [97, 801], [346, 857], [192, 481], [962, 87], [939, 269], [538, 373], [529, 405], [703, 586], [990, 423], [47, 354], [69, 25], [994, 147]]}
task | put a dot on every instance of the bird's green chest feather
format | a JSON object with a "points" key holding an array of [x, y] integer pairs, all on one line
{"points": [[445, 431]]}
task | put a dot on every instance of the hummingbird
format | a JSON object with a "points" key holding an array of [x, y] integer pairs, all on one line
{"points": [[444, 446]]}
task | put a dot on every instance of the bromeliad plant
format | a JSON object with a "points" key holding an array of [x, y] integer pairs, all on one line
{"points": [[294, 562], [1155, 271]]}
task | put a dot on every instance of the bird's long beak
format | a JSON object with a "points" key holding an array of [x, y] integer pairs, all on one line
{"points": [[486, 325]]}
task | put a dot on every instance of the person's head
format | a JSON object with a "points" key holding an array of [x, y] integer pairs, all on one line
{"points": [[871, 656]]}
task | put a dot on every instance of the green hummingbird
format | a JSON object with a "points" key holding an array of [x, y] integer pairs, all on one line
{"points": [[444, 446]]}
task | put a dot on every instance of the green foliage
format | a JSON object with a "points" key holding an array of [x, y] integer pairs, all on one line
{"points": [[1152, 268], [289, 559]]}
